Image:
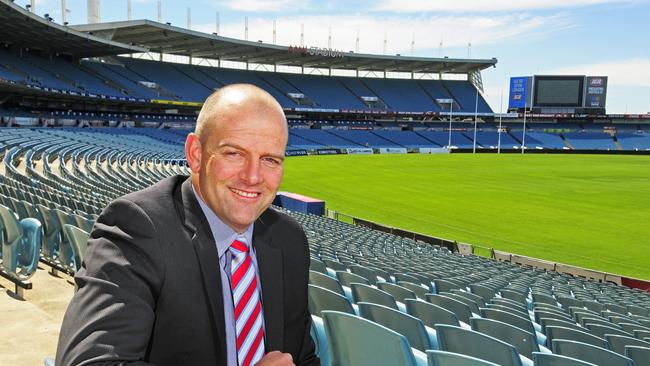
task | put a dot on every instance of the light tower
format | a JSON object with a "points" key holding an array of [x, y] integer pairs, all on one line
{"points": [[93, 11]]}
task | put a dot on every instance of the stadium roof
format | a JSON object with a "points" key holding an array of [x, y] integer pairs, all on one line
{"points": [[168, 39], [25, 29]]}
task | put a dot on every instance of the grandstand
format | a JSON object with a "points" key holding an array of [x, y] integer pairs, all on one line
{"points": [[89, 118]]}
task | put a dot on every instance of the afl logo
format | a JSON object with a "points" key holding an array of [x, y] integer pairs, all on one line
{"points": [[596, 82]]}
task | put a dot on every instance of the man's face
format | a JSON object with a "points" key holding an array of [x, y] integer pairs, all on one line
{"points": [[241, 164]]}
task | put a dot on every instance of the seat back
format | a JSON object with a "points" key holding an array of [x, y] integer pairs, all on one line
{"points": [[517, 296], [525, 342], [20, 244], [549, 359], [600, 330], [589, 353], [475, 344], [78, 240], [443, 358], [418, 290], [640, 355], [555, 332], [364, 272], [617, 343], [483, 291], [510, 318], [445, 285], [544, 322], [398, 292], [323, 299], [365, 293], [473, 306], [404, 324], [346, 278], [325, 281], [461, 310], [317, 266], [430, 314], [356, 341]]}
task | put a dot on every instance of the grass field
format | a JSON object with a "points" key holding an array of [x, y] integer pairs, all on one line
{"points": [[591, 211]]}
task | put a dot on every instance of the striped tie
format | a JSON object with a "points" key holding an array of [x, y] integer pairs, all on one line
{"points": [[248, 309]]}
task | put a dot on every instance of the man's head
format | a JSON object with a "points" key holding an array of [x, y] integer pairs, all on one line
{"points": [[236, 153]]}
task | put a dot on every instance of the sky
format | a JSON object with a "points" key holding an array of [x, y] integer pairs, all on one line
{"points": [[527, 37]]}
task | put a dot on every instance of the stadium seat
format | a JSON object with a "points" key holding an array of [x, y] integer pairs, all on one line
{"points": [[544, 322], [461, 310], [618, 343], [365, 293], [600, 330], [410, 327], [640, 355], [485, 292], [473, 306], [364, 272], [475, 344], [430, 314], [510, 318], [78, 240], [589, 353], [550, 359], [360, 342], [525, 342], [346, 278], [325, 281], [317, 266], [398, 292], [555, 332], [418, 290], [20, 244], [51, 238], [443, 358], [323, 299], [335, 265]]}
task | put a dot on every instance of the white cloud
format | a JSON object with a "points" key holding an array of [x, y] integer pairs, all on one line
{"points": [[455, 31], [263, 5], [473, 6], [630, 72]]}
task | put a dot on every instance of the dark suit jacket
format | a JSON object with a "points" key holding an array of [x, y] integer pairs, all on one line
{"points": [[150, 292]]}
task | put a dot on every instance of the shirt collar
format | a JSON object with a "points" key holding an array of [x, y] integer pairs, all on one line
{"points": [[223, 234]]}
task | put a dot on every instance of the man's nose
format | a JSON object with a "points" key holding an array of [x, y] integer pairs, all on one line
{"points": [[251, 173]]}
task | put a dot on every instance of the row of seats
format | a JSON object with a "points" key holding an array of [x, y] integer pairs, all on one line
{"points": [[55, 182], [411, 303]]}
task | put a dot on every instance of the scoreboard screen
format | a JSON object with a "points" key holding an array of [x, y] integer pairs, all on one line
{"points": [[564, 91]]}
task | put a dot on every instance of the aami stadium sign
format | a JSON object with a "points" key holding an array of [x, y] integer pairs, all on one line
{"points": [[316, 51]]}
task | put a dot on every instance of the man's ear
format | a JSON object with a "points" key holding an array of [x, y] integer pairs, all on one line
{"points": [[193, 152]]}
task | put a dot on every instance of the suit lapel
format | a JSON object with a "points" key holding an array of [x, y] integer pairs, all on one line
{"points": [[208, 259], [269, 261]]}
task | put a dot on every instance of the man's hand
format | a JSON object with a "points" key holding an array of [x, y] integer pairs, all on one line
{"points": [[276, 358]]}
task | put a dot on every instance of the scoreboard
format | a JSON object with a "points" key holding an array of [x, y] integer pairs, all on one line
{"points": [[558, 93]]}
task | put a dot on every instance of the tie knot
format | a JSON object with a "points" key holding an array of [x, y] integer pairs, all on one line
{"points": [[239, 245]]}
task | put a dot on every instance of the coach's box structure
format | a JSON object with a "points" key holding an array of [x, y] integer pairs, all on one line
{"points": [[299, 203]]}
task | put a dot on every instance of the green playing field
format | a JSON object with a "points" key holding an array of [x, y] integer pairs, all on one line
{"points": [[591, 211]]}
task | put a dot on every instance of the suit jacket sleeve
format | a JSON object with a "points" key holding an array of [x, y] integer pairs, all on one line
{"points": [[110, 318]]}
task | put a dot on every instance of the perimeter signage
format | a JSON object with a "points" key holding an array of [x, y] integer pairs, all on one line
{"points": [[316, 51]]}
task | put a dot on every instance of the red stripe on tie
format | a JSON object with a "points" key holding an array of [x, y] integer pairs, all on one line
{"points": [[253, 350], [241, 304], [249, 324], [241, 271]]}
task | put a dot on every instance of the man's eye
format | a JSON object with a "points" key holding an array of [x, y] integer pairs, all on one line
{"points": [[272, 161]]}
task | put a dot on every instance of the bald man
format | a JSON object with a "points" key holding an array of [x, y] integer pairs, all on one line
{"points": [[199, 270]]}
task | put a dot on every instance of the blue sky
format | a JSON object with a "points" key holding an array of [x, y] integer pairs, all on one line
{"points": [[577, 37]]}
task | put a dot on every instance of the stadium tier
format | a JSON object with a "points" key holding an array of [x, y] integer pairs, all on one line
{"points": [[123, 77]]}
